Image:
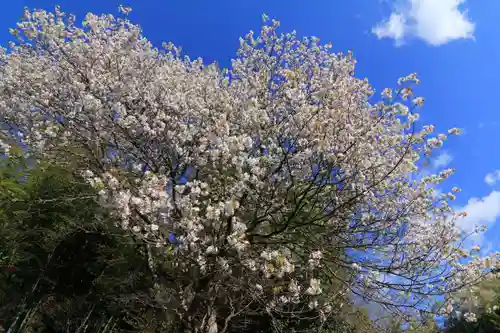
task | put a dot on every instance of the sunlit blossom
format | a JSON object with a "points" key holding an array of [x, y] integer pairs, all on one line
{"points": [[245, 171]]}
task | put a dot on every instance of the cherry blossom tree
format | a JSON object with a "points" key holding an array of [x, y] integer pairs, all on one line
{"points": [[251, 187]]}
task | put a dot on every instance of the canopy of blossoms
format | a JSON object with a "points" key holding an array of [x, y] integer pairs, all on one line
{"points": [[270, 177]]}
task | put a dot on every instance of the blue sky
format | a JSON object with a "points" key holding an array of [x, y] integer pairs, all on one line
{"points": [[453, 48]]}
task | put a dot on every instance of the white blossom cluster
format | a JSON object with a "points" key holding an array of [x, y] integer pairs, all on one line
{"points": [[274, 166]]}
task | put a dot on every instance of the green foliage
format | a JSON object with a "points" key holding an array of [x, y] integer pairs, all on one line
{"points": [[66, 268], [72, 270], [486, 308]]}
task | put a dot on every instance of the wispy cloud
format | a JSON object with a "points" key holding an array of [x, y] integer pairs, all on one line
{"points": [[442, 160], [437, 22], [492, 178]]}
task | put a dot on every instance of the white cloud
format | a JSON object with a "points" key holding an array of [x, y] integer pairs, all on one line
{"points": [[436, 22], [492, 178], [480, 211], [393, 28], [442, 160], [484, 211]]}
